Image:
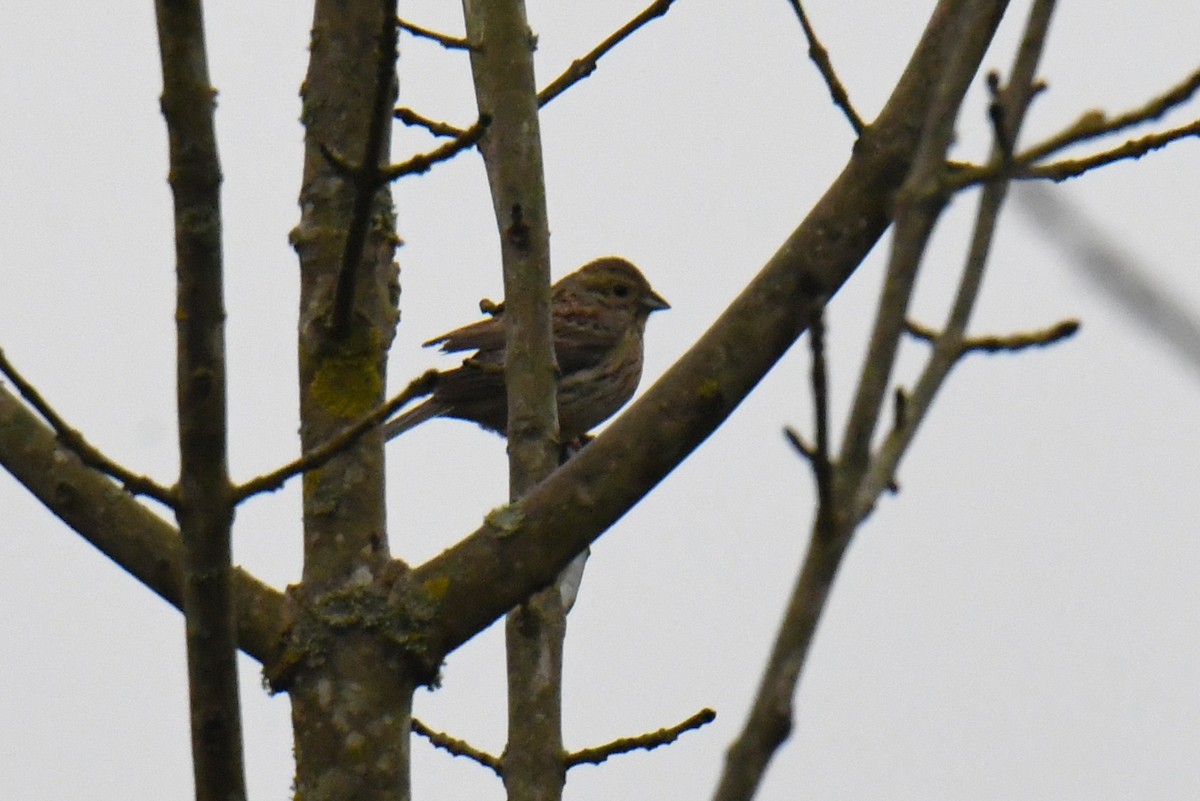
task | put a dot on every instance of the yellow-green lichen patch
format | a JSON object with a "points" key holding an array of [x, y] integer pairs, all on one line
{"points": [[436, 587], [348, 385], [506, 519]]}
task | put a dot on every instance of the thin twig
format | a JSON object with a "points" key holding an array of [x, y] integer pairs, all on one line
{"points": [[321, 454], [1133, 149], [821, 461], [367, 181], [1090, 125], [435, 127], [1009, 343], [647, 742], [1022, 169], [448, 42], [820, 57], [74, 441], [802, 446], [456, 747], [422, 162], [582, 67], [1096, 123], [465, 138]]}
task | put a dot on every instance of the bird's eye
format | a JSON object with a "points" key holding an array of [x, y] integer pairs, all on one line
{"points": [[620, 291]]}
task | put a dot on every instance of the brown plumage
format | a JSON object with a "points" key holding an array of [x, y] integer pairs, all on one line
{"points": [[599, 315]]}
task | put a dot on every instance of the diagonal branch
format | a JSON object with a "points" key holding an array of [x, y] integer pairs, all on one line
{"points": [[1013, 103], [318, 456], [585, 65], [435, 127], [1029, 163], [496, 567], [820, 57], [1095, 123], [1133, 149], [423, 162], [579, 69], [139, 541], [367, 179], [75, 442], [920, 201]]}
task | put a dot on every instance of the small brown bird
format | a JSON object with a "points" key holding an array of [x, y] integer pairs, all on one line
{"points": [[599, 315]]}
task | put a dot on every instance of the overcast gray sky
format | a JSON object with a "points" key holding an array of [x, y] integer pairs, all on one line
{"points": [[1021, 621]]}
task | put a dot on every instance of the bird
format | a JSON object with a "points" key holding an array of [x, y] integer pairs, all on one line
{"points": [[598, 314]]}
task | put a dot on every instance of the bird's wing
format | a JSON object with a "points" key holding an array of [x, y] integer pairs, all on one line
{"points": [[484, 335], [577, 346], [581, 347]]}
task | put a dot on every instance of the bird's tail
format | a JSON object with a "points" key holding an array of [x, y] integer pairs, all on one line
{"points": [[413, 417]]}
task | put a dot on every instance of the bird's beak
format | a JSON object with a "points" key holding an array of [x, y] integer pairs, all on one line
{"points": [[654, 302]]}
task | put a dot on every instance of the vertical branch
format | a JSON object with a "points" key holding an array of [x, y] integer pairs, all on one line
{"points": [[205, 510], [502, 65], [350, 690]]}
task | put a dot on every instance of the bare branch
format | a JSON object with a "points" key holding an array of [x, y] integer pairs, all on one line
{"points": [[1012, 103], [126, 531], [422, 162], [204, 509], [822, 460], [1009, 343], [584, 66], [1095, 123], [412, 118], [457, 747], [645, 742], [465, 138], [820, 57], [74, 441], [919, 203], [969, 27], [1133, 149], [506, 91], [448, 42], [1090, 125], [318, 456]]}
